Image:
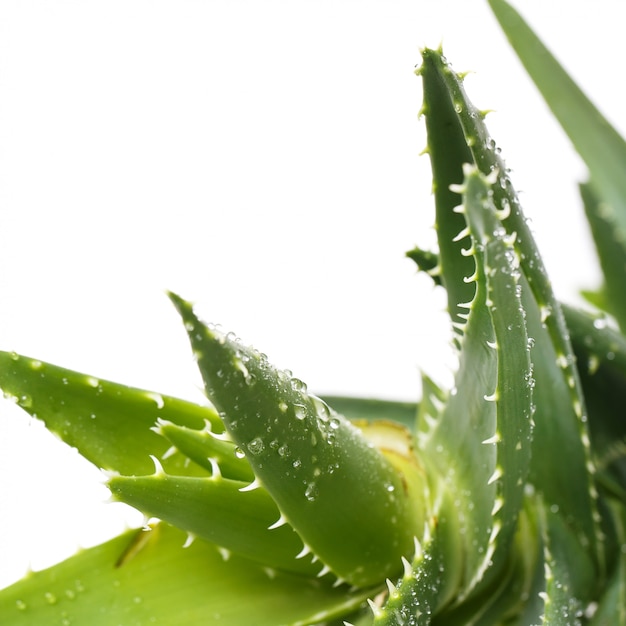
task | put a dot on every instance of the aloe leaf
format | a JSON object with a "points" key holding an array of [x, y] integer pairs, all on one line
{"points": [[149, 578], [561, 413], [374, 409], [431, 579], [325, 457], [212, 452], [513, 388], [611, 248], [601, 358], [427, 261], [611, 608], [430, 408], [110, 424], [215, 509], [481, 441], [448, 152], [510, 595], [569, 573], [597, 142]]}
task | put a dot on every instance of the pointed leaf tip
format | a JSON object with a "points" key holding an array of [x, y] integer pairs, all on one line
{"points": [[308, 457]]}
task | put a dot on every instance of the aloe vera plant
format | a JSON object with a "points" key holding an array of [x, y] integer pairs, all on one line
{"points": [[499, 501]]}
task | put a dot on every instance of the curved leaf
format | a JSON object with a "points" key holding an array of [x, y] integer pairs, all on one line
{"points": [[597, 142], [215, 509], [146, 577], [110, 424], [324, 458]]}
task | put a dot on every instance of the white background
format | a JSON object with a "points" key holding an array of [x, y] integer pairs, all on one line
{"points": [[262, 159]]}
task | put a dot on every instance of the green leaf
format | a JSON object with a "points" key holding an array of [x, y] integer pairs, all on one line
{"points": [[611, 609], [611, 248], [374, 409], [601, 358], [569, 573], [483, 434], [597, 142], [561, 413], [433, 577], [147, 577], [428, 262], [324, 458], [215, 509], [110, 424], [512, 594], [430, 408], [448, 152], [482, 439], [212, 452]]}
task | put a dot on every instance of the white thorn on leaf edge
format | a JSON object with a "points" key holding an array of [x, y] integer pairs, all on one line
{"points": [[418, 548], [495, 531], [281, 521], [221, 436], [325, 570], [393, 590], [169, 452], [216, 473], [408, 570], [495, 476], [255, 484], [108, 475], [376, 610], [497, 505], [190, 539], [494, 439], [305, 550], [464, 233], [158, 468]]}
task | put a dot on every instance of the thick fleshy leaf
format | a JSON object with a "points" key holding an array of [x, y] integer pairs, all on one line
{"points": [[324, 457], [432, 578], [215, 509], [448, 152], [570, 579], [611, 249], [601, 358], [148, 577], [510, 595], [597, 142], [374, 409], [430, 408], [110, 424], [611, 608], [483, 434], [560, 409], [213, 452], [482, 439]]}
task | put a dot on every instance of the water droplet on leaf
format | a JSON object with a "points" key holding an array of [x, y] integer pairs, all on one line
{"points": [[311, 492], [256, 446]]}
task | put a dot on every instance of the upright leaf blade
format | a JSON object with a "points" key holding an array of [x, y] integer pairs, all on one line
{"points": [[448, 152], [611, 248], [561, 412], [597, 142]]}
